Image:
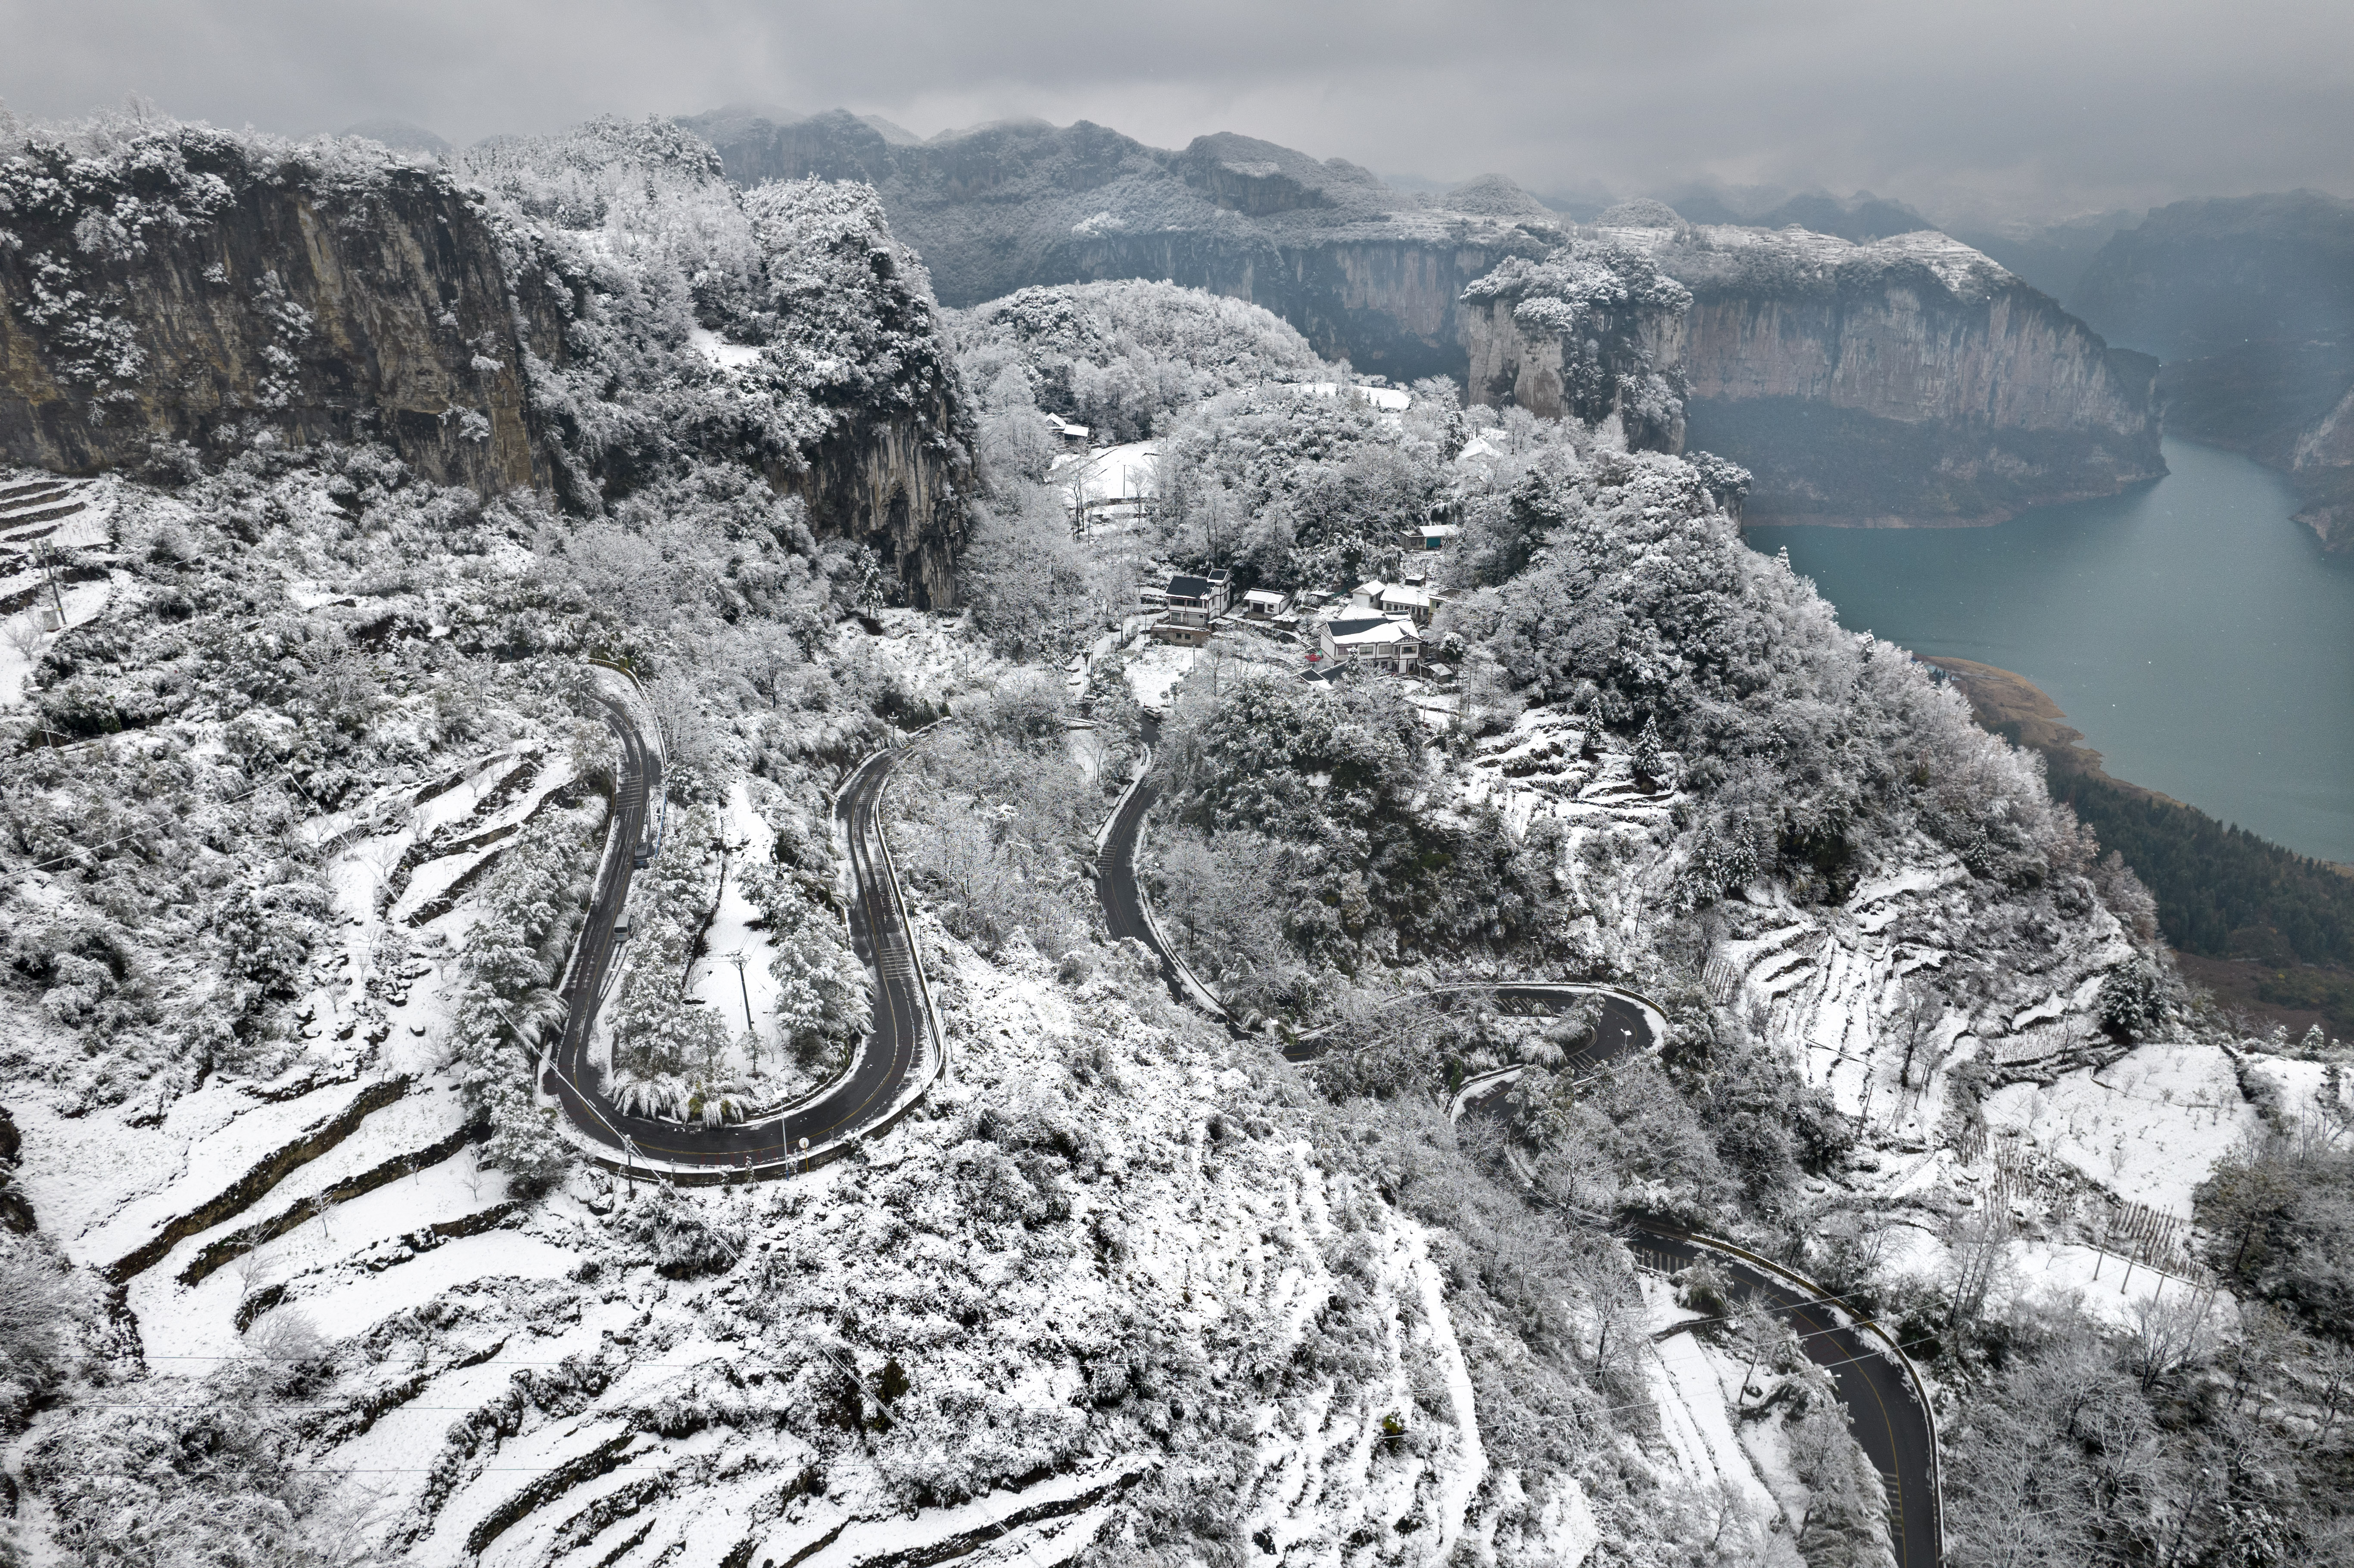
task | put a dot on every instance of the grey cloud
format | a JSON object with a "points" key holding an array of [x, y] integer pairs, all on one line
{"points": [[2008, 106]]}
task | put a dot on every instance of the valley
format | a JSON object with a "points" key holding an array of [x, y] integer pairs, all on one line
{"points": [[739, 841]]}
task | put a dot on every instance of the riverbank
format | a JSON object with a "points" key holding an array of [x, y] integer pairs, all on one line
{"points": [[2243, 913], [2015, 708], [2186, 630]]}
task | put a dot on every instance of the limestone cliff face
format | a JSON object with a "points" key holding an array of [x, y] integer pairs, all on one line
{"points": [[1906, 381], [1594, 333], [1365, 272], [517, 324], [212, 293], [898, 487], [1391, 307]]}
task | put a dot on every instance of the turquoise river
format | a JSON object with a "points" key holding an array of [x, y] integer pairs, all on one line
{"points": [[2195, 634]]}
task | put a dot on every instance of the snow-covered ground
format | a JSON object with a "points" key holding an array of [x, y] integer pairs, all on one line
{"points": [[719, 351], [734, 990], [1126, 472], [2148, 1126], [1156, 670], [1706, 1427]]}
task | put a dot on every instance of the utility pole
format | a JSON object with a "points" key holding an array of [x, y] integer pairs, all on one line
{"points": [[737, 959]]}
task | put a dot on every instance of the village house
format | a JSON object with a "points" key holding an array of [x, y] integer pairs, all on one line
{"points": [[1194, 602], [1394, 598], [1385, 643], [1264, 604]]}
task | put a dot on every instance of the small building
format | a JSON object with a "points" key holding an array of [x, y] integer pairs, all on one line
{"points": [[1074, 437], [1436, 535], [1377, 641], [1400, 599], [1194, 602], [1198, 601], [1264, 604]]}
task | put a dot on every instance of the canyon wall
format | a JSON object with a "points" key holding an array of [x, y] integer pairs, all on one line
{"points": [[1907, 381], [2250, 302], [172, 294], [1365, 274], [206, 293]]}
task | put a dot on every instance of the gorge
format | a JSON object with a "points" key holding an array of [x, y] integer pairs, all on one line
{"points": [[1906, 381], [2188, 629]]}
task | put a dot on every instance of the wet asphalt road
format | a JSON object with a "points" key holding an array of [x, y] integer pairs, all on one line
{"points": [[857, 1102], [1888, 1422]]}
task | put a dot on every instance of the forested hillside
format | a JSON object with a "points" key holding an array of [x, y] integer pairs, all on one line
{"points": [[307, 778]]}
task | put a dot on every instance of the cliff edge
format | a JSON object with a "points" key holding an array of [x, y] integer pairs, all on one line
{"points": [[583, 315], [1906, 381], [201, 288]]}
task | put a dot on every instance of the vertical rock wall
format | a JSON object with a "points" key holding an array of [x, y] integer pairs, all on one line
{"points": [[219, 297]]}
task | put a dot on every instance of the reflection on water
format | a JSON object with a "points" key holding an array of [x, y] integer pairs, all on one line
{"points": [[2198, 636]]}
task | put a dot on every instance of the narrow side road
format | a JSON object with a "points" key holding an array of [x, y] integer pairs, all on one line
{"points": [[1889, 1422]]}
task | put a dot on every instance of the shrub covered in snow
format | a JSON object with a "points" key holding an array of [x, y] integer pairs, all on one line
{"points": [[1122, 357]]}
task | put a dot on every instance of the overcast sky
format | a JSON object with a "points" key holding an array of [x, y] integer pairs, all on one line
{"points": [[2036, 108]]}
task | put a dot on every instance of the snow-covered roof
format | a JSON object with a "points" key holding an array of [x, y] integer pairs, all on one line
{"points": [[1371, 631], [1399, 593], [1267, 597]]}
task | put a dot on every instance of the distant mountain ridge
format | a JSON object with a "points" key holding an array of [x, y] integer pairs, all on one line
{"points": [[2249, 301], [1845, 368]]}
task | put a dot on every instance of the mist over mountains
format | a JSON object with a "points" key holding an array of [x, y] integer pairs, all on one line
{"points": [[757, 841]]}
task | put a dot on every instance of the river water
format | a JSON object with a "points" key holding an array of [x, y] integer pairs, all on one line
{"points": [[2197, 636]]}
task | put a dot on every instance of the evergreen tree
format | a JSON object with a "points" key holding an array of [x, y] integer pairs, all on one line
{"points": [[1651, 756]]}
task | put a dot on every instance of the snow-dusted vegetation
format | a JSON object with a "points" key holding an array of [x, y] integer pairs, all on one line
{"points": [[1122, 358], [305, 799]]}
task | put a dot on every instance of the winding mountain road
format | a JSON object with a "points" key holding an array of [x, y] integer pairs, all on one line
{"points": [[1884, 1406], [1881, 1396], [897, 1057]]}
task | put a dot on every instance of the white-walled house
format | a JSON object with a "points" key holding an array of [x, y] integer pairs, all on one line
{"points": [[1393, 599], [1194, 602], [1387, 643]]}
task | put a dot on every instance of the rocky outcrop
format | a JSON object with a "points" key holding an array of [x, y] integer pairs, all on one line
{"points": [[2323, 470], [206, 289], [1905, 381], [1595, 333], [528, 322], [1365, 272], [898, 486], [1908, 381]]}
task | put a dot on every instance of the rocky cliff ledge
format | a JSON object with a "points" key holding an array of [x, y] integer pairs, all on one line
{"points": [[1594, 333], [1911, 380], [584, 314], [206, 289], [1366, 273]]}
